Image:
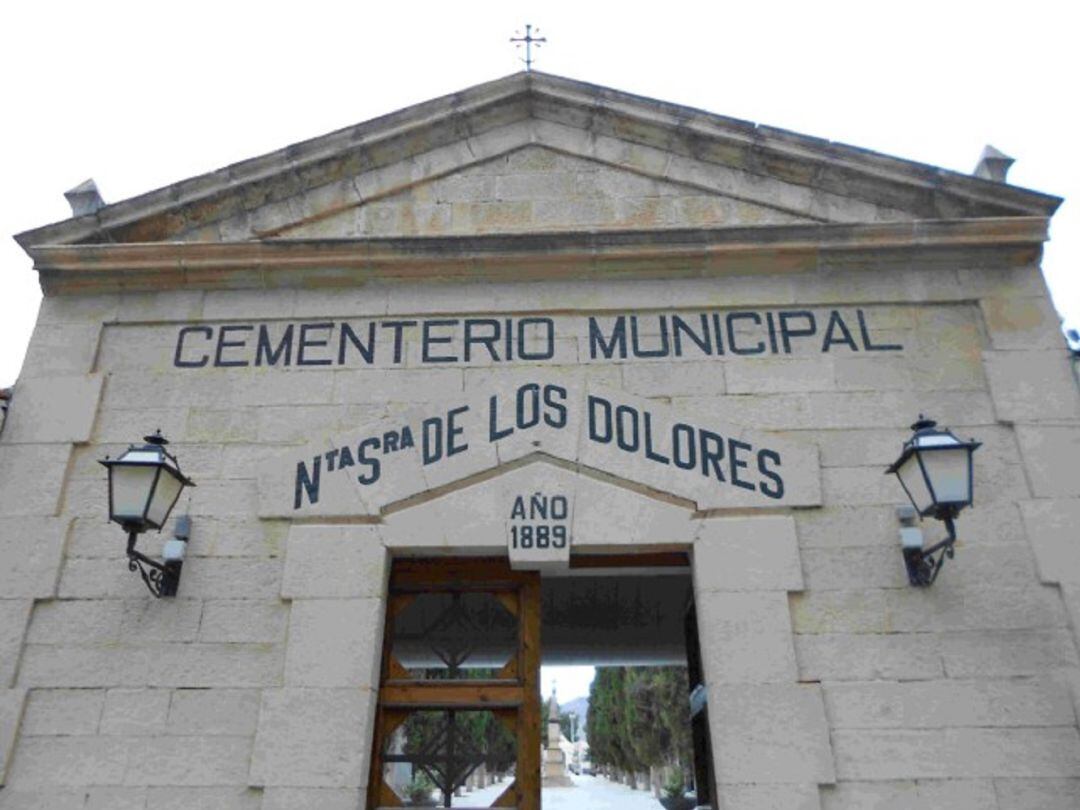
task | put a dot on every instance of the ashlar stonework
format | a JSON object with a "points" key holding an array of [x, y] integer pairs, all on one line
{"points": [[705, 335]]}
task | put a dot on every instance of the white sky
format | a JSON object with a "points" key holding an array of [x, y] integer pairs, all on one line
{"points": [[571, 682], [140, 95]]}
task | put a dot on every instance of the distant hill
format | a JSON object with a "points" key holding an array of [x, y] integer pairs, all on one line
{"points": [[578, 706]]}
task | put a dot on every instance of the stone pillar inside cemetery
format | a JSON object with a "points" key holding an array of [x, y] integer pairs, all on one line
{"points": [[706, 336]]}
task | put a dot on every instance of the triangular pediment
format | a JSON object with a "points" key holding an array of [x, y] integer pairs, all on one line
{"points": [[537, 188], [619, 161]]}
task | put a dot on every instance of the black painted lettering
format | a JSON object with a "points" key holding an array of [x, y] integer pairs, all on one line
{"points": [[224, 343], [455, 431], [349, 337], [663, 350], [428, 340], [267, 354], [547, 340], [528, 406], [650, 453], [776, 489], [431, 439], [718, 333], [712, 453], [390, 442], [732, 318], [559, 507], [307, 483], [867, 343], [679, 327], [398, 328], [735, 451], [787, 332], [837, 322], [178, 359], [555, 402], [406, 440], [331, 458], [494, 431], [517, 511], [473, 334], [345, 458], [372, 463], [307, 342], [607, 348], [772, 333], [538, 507], [683, 446], [600, 429], [627, 429]]}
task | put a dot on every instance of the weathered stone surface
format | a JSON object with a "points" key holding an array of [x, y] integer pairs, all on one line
{"points": [[30, 551], [11, 711], [946, 794], [956, 753], [1050, 455], [1032, 386], [53, 409], [334, 562], [846, 657], [1052, 530], [226, 712], [313, 738], [334, 643], [285, 798], [1045, 794], [134, 712], [62, 712], [14, 618], [747, 554], [746, 637], [39, 494], [770, 734], [947, 704], [1018, 322], [770, 797]]}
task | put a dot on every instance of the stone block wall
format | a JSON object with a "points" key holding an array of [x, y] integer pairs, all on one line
{"points": [[833, 684]]}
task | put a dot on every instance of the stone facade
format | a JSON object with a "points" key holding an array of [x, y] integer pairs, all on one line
{"points": [[850, 291]]}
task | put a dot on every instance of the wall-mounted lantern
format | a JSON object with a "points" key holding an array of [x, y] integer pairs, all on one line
{"points": [[935, 470], [144, 486]]}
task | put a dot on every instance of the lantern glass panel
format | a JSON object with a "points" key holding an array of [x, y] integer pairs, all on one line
{"points": [[948, 468], [165, 495], [131, 484], [911, 476]]}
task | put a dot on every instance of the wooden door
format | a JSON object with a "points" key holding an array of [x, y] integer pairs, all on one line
{"points": [[445, 687]]}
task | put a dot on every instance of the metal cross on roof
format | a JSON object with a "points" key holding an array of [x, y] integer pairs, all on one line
{"points": [[528, 39]]}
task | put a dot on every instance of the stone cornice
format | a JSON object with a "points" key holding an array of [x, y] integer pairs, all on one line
{"points": [[927, 191], [657, 254]]}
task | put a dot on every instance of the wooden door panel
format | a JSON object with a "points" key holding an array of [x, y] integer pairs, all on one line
{"points": [[511, 691]]}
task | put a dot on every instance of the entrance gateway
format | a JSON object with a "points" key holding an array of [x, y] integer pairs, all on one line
{"points": [[535, 305], [466, 699]]}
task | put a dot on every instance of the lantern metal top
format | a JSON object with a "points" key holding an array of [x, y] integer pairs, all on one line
{"points": [[152, 453], [926, 437]]}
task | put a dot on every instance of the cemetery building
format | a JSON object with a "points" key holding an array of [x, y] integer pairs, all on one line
{"points": [[542, 371]]}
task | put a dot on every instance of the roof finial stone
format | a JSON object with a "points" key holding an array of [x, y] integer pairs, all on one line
{"points": [[84, 198], [993, 165]]}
